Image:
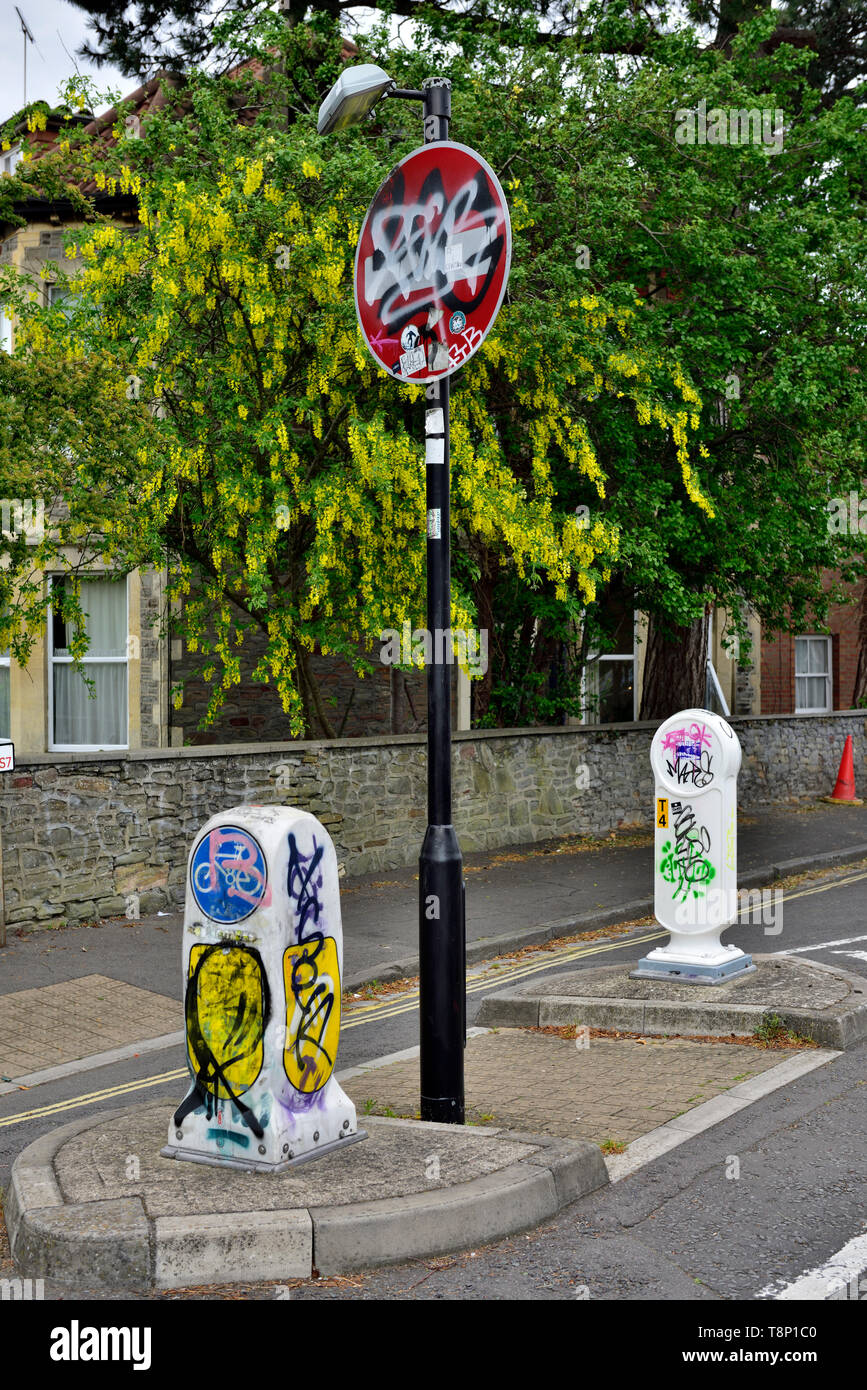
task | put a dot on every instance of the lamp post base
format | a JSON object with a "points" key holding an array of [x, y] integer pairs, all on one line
{"points": [[442, 976]]}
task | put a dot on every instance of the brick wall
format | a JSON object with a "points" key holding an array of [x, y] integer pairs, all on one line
{"points": [[83, 833], [778, 657], [778, 674]]}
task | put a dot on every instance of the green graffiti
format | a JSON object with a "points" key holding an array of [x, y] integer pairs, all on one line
{"points": [[685, 868]]}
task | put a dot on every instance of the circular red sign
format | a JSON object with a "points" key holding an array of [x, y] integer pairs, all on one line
{"points": [[432, 262]]}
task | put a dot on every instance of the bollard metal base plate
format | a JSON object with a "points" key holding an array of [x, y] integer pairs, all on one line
{"points": [[691, 973], [250, 1165]]}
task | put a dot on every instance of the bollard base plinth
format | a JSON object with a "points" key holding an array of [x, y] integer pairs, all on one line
{"points": [[660, 965], [442, 1110], [250, 1165]]}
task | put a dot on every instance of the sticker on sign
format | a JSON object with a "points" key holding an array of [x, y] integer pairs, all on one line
{"points": [[413, 361], [432, 262], [7, 755]]}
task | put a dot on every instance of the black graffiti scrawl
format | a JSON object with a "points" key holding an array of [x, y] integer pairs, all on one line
{"points": [[312, 978], [227, 1007]]}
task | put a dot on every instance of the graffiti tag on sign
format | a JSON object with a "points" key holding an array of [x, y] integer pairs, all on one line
{"points": [[689, 759], [228, 875], [731, 841], [312, 1012], [693, 768], [227, 1007], [432, 262], [697, 735]]}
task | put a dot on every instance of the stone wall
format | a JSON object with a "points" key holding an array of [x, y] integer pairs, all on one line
{"points": [[83, 834], [153, 691]]}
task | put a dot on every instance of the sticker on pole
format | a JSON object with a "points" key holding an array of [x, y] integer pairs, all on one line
{"points": [[432, 262]]}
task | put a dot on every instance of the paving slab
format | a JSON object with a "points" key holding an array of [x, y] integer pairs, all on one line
{"points": [[818, 1001], [62, 1022], [616, 1089], [95, 1202]]}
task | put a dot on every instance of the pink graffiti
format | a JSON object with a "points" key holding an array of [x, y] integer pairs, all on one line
{"points": [[696, 733]]}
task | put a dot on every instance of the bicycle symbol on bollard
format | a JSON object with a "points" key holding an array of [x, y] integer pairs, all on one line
{"points": [[228, 875]]}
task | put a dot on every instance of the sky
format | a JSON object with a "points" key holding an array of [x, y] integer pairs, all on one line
{"points": [[52, 23]]}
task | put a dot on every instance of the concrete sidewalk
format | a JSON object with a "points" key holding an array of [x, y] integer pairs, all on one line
{"points": [[514, 896], [75, 1215]]}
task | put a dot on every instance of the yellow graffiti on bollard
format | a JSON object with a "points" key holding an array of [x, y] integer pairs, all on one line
{"points": [[227, 1011], [312, 979]]}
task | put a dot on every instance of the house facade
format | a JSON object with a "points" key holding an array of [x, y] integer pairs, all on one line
{"points": [[815, 672]]}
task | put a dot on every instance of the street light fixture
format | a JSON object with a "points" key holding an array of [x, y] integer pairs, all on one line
{"points": [[353, 96]]}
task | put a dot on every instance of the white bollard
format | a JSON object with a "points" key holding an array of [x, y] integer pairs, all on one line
{"points": [[262, 962], [696, 758]]}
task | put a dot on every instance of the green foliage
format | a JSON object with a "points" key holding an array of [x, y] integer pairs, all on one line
{"points": [[222, 421], [277, 475], [750, 258]]}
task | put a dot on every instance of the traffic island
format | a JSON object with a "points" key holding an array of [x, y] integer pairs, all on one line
{"points": [[576, 1083], [816, 1001], [94, 1204]]}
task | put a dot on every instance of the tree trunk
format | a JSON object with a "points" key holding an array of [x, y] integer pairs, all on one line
{"points": [[398, 701], [675, 669], [859, 694], [484, 595], [313, 710]]}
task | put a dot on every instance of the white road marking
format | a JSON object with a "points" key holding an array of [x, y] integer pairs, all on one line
{"points": [[855, 955], [822, 946], [827, 1280]]}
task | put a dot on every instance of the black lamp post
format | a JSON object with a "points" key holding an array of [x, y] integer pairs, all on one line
{"points": [[442, 915]]}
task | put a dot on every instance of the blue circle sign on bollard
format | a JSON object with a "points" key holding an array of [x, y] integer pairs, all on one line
{"points": [[228, 874]]}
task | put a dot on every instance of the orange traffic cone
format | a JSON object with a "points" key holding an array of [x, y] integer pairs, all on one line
{"points": [[844, 791]]}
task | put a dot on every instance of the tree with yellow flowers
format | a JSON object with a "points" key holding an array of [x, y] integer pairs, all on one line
{"points": [[203, 402]]}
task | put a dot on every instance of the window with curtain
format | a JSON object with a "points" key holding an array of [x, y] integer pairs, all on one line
{"points": [[813, 675], [96, 715]]}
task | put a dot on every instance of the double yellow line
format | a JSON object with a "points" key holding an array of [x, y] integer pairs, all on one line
{"points": [[92, 1097], [406, 1003], [372, 1013]]}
